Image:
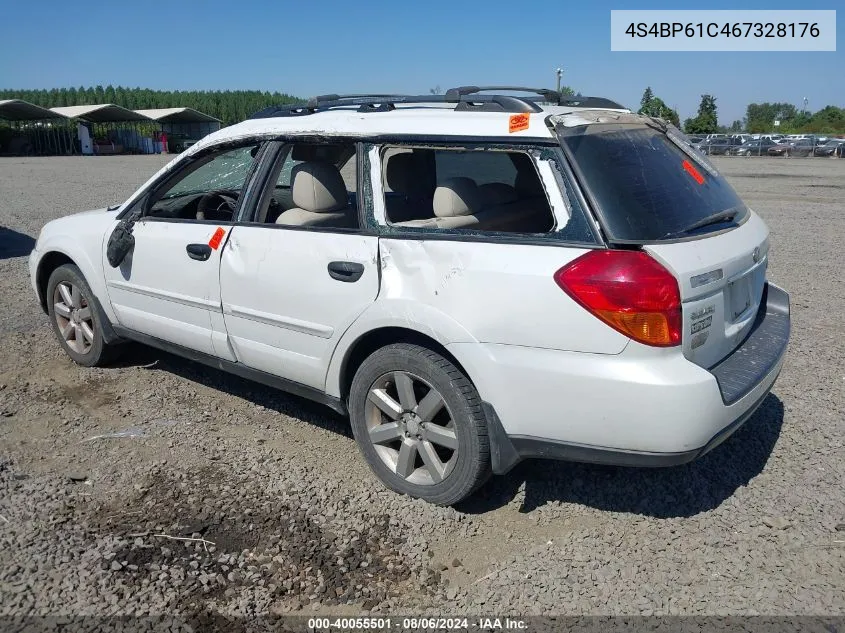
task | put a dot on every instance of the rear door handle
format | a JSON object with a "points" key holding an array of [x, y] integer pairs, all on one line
{"points": [[346, 271], [200, 252]]}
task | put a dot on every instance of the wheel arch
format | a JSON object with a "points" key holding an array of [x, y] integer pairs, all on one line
{"points": [[374, 339], [49, 262]]}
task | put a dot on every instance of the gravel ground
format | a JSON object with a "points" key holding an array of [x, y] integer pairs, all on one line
{"points": [[287, 517]]}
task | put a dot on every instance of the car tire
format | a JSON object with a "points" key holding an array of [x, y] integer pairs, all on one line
{"points": [[73, 313], [441, 457]]}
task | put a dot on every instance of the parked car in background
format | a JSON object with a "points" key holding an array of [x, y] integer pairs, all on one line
{"points": [[760, 147], [800, 147], [440, 276], [717, 145], [834, 147]]}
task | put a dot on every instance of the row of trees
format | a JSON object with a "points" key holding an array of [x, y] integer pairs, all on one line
{"points": [[230, 106], [759, 117]]}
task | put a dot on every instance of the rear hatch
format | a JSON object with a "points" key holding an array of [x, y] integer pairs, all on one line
{"points": [[652, 190]]}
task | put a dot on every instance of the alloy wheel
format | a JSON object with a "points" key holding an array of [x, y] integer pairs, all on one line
{"points": [[411, 428], [74, 317]]}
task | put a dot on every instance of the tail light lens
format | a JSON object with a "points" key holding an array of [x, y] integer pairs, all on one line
{"points": [[629, 291]]}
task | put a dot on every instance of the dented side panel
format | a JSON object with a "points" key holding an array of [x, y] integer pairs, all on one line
{"points": [[283, 310], [498, 293]]}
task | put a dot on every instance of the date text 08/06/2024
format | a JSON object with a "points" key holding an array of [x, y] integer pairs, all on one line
{"points": [[415, 623]]}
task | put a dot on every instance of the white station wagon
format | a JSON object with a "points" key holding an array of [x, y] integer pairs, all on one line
{"points": [[474, 278]]}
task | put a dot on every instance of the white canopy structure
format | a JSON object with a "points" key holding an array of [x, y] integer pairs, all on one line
{"points": [[100, 113], [18, 110], [177, 115], [33, 130]]}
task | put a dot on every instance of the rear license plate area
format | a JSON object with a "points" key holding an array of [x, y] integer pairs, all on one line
{"points": [[739, 296]]}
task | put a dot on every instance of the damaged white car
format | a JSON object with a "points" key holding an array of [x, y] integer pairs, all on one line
{"points": [[474, 278]]}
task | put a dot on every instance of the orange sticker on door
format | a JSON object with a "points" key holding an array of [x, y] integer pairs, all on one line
{"points": [[215, 240], [518, 122]]}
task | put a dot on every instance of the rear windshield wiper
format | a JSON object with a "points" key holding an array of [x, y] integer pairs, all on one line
{"points": [[715, 218]]}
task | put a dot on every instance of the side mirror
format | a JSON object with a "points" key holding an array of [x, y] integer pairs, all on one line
{"points": [[121, 242]]}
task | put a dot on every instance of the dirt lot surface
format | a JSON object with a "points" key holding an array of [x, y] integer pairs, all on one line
{"points": [[293, 521]]}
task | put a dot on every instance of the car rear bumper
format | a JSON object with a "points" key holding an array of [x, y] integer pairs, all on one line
{"points": [[643, 407]]}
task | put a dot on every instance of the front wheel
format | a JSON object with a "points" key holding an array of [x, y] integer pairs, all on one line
{"points": [[419, 424], [75, 319]]}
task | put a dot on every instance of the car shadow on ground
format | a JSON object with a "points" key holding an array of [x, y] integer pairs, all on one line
{"points": [[272, 399], [679, 491], [14, 244]]}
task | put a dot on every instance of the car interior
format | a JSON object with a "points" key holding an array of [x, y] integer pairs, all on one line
{"points": [[479, 190], [314, 185], [208, 189]]}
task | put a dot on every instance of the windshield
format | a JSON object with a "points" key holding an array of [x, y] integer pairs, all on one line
{"points": [[225, 172], [645, 187]]}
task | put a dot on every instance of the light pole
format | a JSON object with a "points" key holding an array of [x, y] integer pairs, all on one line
{"points": [[559, 73], [806, 101]]}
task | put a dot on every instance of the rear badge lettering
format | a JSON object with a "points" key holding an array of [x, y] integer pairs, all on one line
{"points": [[700, 325], [701, 319], [703, 312]]}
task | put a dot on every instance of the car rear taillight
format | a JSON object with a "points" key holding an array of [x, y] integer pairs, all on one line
{"points": [[629, 291]]}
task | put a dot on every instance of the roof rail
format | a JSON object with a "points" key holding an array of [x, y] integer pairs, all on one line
{"points": [[591, 102], [548, 94], [454, 94], [385, 102]]}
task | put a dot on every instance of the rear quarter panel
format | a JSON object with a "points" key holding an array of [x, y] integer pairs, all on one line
{"points": [[499, 293], [478, 292]]}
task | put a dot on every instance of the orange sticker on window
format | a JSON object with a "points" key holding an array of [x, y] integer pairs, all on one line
{"points": [[215, 240], [518, 123]]}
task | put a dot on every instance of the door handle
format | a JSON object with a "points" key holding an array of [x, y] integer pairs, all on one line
{"points": [[200, 252], [346, 271]]}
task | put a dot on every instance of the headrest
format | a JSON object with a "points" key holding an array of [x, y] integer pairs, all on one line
{"points": [[404, 176], [496, 193], [455, 197], [318, 187]]}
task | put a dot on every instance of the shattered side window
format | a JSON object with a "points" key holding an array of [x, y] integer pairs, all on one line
{"points": [[464, 189]]}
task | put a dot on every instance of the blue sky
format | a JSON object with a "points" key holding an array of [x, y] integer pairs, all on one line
{"points": [[308, 48]]}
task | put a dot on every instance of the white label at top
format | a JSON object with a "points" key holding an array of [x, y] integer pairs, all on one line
{"points": [[703, 30]]}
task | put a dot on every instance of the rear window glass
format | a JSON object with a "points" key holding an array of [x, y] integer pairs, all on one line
{"points": [[646, 188]]}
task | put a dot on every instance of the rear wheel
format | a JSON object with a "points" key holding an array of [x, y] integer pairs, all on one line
{"points": [[418, 422], [75, 320]]}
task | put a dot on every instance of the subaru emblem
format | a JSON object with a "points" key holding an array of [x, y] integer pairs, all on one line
{"points": [[756, 254]]}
